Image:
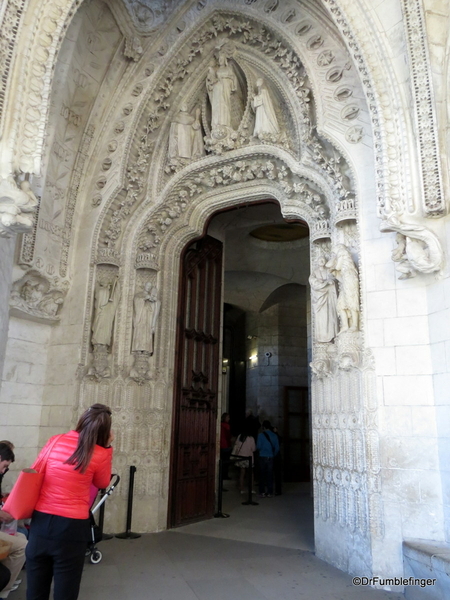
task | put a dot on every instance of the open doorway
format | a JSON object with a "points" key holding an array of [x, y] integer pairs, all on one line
{"points": [[264, 368]]}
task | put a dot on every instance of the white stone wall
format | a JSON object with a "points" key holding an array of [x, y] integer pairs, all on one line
{"points": [[6, 261], [23, 385]]}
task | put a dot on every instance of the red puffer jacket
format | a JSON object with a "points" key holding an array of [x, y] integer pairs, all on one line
{"points": [[65, 492]]}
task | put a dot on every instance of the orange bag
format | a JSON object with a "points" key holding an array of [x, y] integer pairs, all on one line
{"points": [[24, 496], [26, 491]]}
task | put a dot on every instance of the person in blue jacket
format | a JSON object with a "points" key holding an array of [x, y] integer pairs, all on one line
{"points": [[268, 447]]}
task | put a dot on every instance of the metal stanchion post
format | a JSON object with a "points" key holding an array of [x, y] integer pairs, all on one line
{"points": [[128, 534], [219, 514], [249, 481]]}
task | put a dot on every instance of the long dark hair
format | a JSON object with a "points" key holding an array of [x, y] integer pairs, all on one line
{"points": [[94, 427]]}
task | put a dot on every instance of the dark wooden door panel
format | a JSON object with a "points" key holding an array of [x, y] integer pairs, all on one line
{"points": [[197, 370], [296, 434]]}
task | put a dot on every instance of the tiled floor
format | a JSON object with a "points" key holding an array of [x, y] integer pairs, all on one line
{"points": [[262, 552]]}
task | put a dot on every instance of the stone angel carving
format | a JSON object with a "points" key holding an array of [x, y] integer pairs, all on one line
{"points": [[266, 122]]}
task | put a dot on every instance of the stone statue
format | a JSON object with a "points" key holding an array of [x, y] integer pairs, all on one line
{"points": [[418, 249], [324, 302], [146, 310], [221, 82], [185, 137], [344, 269], [180, 137], [266, 122], [107, 295], [198, 147]]}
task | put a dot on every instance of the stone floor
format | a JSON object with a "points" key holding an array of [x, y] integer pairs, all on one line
{"points": [[262, 552]]}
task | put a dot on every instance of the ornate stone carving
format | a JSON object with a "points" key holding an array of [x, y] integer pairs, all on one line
{"points": [[433, 199], [106, 299], [146, 308], [38, 298], [324, 301], [221, 30], [107, 295], [140, 371], [8, 28], [418, 249], [185, 139], [17, 207], [342, 266], [266, 123]]}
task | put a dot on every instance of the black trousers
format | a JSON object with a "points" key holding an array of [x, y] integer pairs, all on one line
{"points": [[5, 576], [56, 550]]}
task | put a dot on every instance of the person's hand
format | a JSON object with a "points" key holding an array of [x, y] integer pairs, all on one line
{"points": [[5, 517]]}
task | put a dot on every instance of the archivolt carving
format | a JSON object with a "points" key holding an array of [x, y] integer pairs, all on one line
{"points": [[228, 173], [8, 29], [433, 199]]}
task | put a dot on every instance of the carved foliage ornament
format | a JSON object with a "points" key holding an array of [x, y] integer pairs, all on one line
{"points": [[224, 175]]}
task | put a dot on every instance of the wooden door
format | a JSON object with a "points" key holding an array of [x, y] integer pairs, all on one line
{"points": [[296, 436], [197, 370]]}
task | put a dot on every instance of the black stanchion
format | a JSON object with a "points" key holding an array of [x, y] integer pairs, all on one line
{"points": [[219, 514], [249, 501], [128, 534]]}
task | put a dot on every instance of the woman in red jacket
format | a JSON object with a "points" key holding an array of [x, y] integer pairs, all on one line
{"points": [[60, 528]]}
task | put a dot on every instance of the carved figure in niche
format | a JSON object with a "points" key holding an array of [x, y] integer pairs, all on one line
{"points": [[344, 269], [146, 310], [221, 82], [418, 249], [198, 147], [324, 302], [266, 122], [180, 137], [185, 137], [107, 295]]}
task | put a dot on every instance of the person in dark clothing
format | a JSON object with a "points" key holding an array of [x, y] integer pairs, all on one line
{"points": [[252, 424], [277, 465], [268, 448], [5, 576], [11, 445]]}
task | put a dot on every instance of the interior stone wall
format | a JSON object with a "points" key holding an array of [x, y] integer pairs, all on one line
{"points": [[281, 331]]}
